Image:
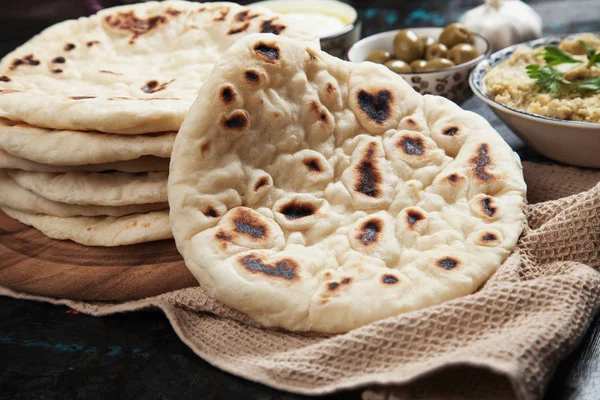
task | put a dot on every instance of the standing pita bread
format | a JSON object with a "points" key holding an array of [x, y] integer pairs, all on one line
{"points": [[129, 69], [316, 194]]}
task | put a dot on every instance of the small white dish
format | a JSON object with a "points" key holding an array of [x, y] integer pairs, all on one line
{"points": [[450, 82], [569, 142]]}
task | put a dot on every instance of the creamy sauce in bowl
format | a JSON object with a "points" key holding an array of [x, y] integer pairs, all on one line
{"points": [[322, 24], [326, 18]]}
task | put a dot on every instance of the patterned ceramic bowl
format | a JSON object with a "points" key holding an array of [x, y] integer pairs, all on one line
{"points": [[451, 83], [569, 142]]}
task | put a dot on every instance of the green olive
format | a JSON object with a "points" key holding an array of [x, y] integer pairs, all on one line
{"points": [[418, 65], [379, 56], [454, 34], [427, 41], [436, 64], [407, 46], [463, 52], [398, 66], [437, 50]]}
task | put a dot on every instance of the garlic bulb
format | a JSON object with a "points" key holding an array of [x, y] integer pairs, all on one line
{"points": [[504, 23]]}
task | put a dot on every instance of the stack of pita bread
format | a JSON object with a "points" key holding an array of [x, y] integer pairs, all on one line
{"points": [[89, 111]]}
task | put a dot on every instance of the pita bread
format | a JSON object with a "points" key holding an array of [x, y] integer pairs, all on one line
{"points": [[317, 194], [92, 188], [142, 164], [128, 69], [14, 196], [99, 231], [70, 148]]}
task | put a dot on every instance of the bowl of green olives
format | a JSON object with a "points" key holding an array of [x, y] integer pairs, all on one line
{"points": [[432, 60]]}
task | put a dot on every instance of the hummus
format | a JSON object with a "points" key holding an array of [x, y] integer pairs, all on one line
{"points": [[509, 84]]}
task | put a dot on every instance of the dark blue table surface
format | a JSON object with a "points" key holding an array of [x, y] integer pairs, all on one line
{"points": [[51, 352]]}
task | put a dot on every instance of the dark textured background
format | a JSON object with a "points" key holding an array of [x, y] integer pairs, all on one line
{"points": [[51, 352]]}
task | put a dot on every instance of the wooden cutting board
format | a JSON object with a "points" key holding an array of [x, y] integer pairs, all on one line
{"points": [[33, 263]]}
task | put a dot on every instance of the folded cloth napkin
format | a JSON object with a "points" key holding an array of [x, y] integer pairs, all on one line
{"points": [[504, 341]]}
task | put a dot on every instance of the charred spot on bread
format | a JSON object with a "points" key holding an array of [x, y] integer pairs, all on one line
{"points": [[129, 22], [376, 106], [211, 212], [154, 86], [26, 60], [269, 52], [389, 279], [237, 121], [284, 269], [269, 26], [223, 15], [413, 217], [412, 123], [252, 77], [369, 231], [248, 224], [313, 164], [480, 161], [262, 182], [239, 29], [412, 146], [488, 237], [450, 131], [244, 16], [368, 176], [228, 94], [223, 236], [297, 209], [487, 206], [448, 263], [316, 110]]}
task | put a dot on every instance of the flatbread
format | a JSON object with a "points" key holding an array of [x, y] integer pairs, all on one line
{"points": [[55, 147], [128, 69], [99, 231], [14, 196], [142, 164], [317, 194], [93, 188]]}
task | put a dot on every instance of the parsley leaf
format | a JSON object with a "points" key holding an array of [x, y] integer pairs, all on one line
{"points": [[555, 56], [591, 52], [547, 77], [592, 55], [533, 71], [592, 84], [552, 80]]}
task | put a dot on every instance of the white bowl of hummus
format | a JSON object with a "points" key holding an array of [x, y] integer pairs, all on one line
{"points": [[548, 92], [335, 23]]}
